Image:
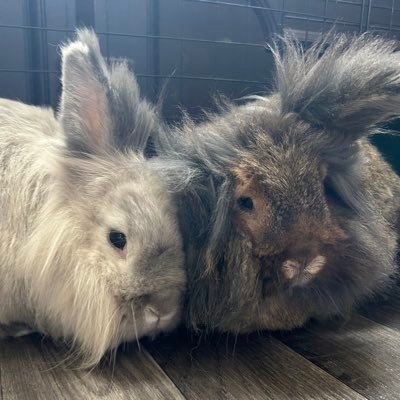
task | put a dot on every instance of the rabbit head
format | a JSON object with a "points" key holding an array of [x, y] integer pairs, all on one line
{"points": [[291, 212], [108, 244]]}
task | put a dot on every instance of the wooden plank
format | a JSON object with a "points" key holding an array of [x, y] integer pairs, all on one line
{"points": [[386, 310], [28, 371], [362, 354], [258, 368]]}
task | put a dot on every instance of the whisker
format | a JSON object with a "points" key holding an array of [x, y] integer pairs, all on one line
{"points": [[135, 327], [234, 345]]}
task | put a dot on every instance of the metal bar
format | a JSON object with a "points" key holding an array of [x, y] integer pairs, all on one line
{"points": [[369, 14], [36, 28], [27, 49], [336, 22], [195, 77], [325, 13], [180, 86], [354, 3], [347, 2], [29, 71], [156, 37], [45, 51], [153, 48], [379, 7], [362, 16], [107, 21], [226, 3], [391, 16], [35, 59], [283, 15], [384, 28]]}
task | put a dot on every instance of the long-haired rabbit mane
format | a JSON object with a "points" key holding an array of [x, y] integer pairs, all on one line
{"points": [[292, 213]]}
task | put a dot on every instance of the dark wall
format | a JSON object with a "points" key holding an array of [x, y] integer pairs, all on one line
{"points": [[199, 47]]}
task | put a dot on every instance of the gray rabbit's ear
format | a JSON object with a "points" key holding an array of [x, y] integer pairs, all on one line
{"points": [[345, 87], [85, 108], [134, 120], [101, 107]]}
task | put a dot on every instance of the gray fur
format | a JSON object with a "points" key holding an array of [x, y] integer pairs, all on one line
{"points": [[354, 86], [65, 184], [112, 90], [324, 198]]}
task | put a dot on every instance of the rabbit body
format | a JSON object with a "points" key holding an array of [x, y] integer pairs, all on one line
{"points": [[90, 251], [28, 136], [290, 212]]}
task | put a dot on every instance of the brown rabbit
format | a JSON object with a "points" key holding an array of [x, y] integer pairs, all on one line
{"points": [[287, 211]]}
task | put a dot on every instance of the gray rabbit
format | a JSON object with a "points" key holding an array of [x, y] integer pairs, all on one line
{"points": [[90, 250], [286, 209]]}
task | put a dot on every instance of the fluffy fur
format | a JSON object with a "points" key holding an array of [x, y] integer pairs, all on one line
{"points": [[65, 183], [290, 213]]}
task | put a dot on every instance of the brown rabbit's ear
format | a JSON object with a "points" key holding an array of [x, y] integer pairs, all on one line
{"points": [[342, 85], [84, 110]]}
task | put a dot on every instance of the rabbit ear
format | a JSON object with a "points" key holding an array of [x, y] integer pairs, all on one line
{"points": [[101, 107], [134, 120], [346, 88], [85, 110]]}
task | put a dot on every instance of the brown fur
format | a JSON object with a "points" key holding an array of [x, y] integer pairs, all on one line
{"points": [[290, 212]]}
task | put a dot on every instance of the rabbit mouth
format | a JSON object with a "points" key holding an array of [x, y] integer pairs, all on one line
{"points": [[300, 273], [281, 272], [151, 314]]}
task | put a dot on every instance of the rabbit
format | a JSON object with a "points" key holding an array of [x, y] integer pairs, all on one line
{"points": [[90, 248], [290, 213]]}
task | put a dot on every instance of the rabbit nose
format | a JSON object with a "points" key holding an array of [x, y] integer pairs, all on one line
{"points": [[162, 310], [302, 272], [151, 316]]}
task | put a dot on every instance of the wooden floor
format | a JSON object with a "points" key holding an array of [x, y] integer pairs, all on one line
{"points": [[356, 361]]}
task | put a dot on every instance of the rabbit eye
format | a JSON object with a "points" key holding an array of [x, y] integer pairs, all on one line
{"points": [[245, 203], [117, 239]]}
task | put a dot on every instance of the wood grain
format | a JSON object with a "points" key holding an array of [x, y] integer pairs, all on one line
{"points": [[386, 310], [362, 354], [257, 368], [28, 371], [357, 361]]}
